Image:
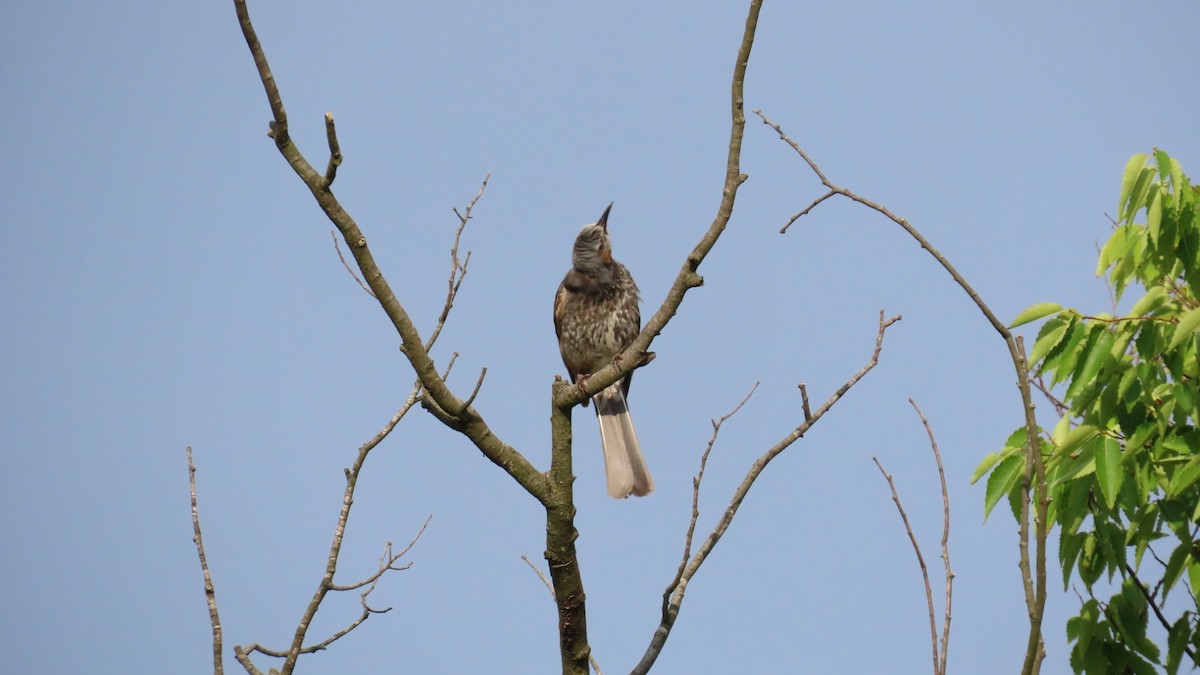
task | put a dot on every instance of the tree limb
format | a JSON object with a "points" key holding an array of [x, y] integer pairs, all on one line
{"points": [[210, 591], [468, 421], [1033, 575], [673, 595]]}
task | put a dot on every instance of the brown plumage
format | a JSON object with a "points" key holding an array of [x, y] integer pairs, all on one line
{"points": [[596, 316]]}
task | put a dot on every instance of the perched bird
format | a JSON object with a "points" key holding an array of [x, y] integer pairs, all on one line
{"points": [[596, 316]]}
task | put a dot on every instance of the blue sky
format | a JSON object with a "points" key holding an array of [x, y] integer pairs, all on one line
{"points": [[171, 283]]}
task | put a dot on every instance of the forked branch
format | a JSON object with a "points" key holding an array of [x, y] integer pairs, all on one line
{"points": [[465, 418], [674, 593]]}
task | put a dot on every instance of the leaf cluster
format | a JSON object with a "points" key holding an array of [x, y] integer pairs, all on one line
{"points": [[1123, 461]]}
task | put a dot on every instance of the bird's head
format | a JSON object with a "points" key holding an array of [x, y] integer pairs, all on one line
{"points": [[593, 251]]}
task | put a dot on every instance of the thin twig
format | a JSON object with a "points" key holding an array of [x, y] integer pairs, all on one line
{"points": [[210, 592], [937, 456], [539, 573], [549, 587], [326, 584], [337, 247], [1059, 407], [687, 541], [937, 669], [458, 268]]}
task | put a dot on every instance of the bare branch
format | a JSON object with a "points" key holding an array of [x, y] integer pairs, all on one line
{"points": [[1035, 475], [468, 422], [210, 591], [458, 268], [937, 456], [387, 563], [335, 150], [806, 210], [478, 384], [937, 669], [326, 583], [804, 402], [687, 543], [673, 596]]}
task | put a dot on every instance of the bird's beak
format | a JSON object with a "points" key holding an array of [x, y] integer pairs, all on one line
{"points": [[603, 222]]}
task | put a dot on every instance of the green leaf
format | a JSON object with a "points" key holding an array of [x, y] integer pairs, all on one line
{"points": [[1075, 438], [1095, 353], [1061, 360], [1152, 300], [1188, 323], [1133, 168], [1051, 334], [1108, 470], [1154, 212], [1069, 545], [1036, 312], [1137, 194], [1184, 477], [1194, 574], [1003, 478], [1175, 564], [1177, 639]]}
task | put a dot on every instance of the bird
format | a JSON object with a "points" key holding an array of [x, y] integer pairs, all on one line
{"points": [[596, 316]]}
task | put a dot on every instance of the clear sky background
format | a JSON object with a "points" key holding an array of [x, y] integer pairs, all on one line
{"points": [[170, 282]]}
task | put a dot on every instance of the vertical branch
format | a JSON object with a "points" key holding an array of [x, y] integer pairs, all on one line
{"points": [[1033, 487], [560, 553], [937, 456], [210, 592]]}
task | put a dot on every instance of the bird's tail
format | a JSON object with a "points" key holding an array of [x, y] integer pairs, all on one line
{"points": [[624, 464]]}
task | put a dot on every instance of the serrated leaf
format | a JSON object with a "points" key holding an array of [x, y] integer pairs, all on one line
{"points": [[1003, 478], [1188, 323], [1060, 362], [1061, 429], [1075, 438], [1177, 639], [1050, 334], [1175, 564], [1108, 470], [1137, 194], [1133, 168], [1094, 354], [1035, 312], [1154, 212], [989, 460], [1152, 300], [1184, 477], [1194, 573], [1069, 545]]}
